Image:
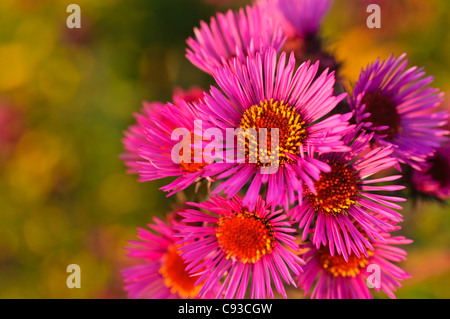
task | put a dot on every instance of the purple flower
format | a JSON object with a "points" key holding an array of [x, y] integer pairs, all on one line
{"points": [[149, 145], [301, 21], [266, 95], [233, 35], [434, 179], [238, 246], [161, 272], [332, 277], [398, 105], [342, 208], [299, 18]]}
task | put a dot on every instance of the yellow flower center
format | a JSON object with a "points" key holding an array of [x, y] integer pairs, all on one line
{"points": [[337, 266], [176, 277], [272, 115], [336, 190]]}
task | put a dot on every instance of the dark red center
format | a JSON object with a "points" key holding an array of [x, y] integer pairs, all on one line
{"points": [[383, 112], [440, 170]]}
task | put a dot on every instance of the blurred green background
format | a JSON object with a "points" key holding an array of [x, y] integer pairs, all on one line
{"points": [[67, 95]]}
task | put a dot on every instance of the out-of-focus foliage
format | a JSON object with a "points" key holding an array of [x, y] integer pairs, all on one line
{"points": [[67, 95]]}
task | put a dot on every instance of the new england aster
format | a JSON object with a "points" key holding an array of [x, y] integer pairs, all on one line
{"points": [[332, 277], [240, 246], [233, 35], [398, 105], [342, 211], [299, 18], [268, 93], [434, 179], [149, 144], [160, 272], [301, 21], [333, 172]]}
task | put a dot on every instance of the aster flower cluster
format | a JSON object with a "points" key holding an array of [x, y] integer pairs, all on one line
{"points": [[305, 178]]}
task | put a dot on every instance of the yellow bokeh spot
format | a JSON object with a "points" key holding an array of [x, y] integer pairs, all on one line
{"points": [[357, 50], [35, 167], [45, 229], [120, 194], [59, 79], [15, 66]]}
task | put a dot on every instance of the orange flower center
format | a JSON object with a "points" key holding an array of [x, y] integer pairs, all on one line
{"points": [[336, 190], [270, 115], [337, 266], [192, 166], [245, 236], [176, 277]]}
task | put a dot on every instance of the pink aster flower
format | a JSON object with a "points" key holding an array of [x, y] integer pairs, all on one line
{"points": [[265, 96], [237, 245], [299, 18], [149, 144], [434, 179], [135, 137], [193, 94], [398, 105], [161, 272], [344, 210], [232, 35], [301, 21], [332, 277]]}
